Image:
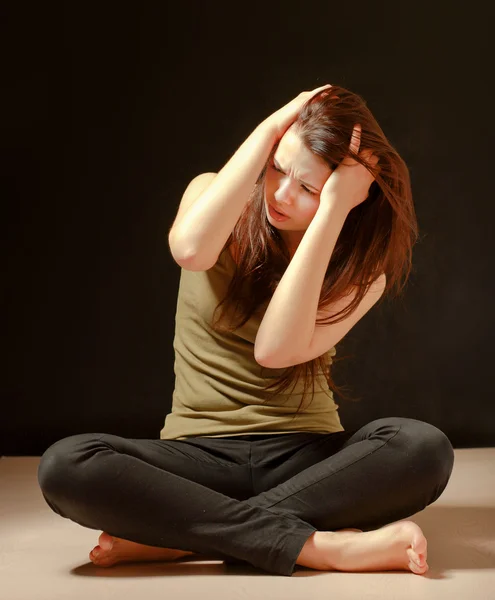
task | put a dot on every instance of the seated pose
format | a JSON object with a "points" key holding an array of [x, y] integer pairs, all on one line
{"points": [[281, 252]]}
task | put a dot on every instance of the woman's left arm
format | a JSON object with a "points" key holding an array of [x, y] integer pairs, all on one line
{"points": [[286, 335], [289, 322]]}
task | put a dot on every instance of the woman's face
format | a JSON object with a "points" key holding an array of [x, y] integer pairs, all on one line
{"points": [[293, 183]]}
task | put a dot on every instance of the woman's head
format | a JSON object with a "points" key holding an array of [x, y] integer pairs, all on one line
{"points": [[311, 149], [377, 235], [294, 179]]}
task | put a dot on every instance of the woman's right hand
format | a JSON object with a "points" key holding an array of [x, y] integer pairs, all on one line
{"points": [[283, 118]]}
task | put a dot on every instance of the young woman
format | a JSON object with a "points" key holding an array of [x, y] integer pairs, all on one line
{"points": [[297, 237]]}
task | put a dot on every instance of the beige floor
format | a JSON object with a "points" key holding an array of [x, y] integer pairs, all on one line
{"points": [[43, 556]]}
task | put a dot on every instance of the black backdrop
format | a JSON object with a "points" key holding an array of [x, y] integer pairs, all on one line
{"points": [[108, 112]]}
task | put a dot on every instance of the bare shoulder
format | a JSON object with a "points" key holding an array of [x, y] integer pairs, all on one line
{"points": [[234, 252], [198, 184], [203, 178], [193, 190], [380, 283]]}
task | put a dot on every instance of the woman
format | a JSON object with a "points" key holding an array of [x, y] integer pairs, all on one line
{"points": [[311, 219]]}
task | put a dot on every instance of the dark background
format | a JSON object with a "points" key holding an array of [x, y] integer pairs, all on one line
{"points": [[109, 111]]}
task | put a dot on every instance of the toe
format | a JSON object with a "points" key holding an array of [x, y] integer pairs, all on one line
{"points": [[106, 541], [418, 559], [415, 558], [100, 559], [418, 569], [413, 567], [419, 544]]}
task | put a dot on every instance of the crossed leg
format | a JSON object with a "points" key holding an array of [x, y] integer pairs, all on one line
{"points": [[387, 470]]}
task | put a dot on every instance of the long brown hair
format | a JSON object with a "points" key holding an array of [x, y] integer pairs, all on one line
{"points": [[377, 237]]}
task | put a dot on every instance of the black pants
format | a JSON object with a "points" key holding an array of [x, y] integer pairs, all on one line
{"points": [[251, 498]]}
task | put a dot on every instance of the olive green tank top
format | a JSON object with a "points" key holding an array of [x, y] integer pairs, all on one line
{"points": [[218, 383]]}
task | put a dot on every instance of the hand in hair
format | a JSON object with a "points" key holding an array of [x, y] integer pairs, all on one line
{"points": [[350, 183], [283, 118]]}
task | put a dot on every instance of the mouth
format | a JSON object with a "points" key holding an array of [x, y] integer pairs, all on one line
{"points": [[277, 213], [280, 212]]}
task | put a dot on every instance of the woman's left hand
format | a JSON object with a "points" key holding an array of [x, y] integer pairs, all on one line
{"points": [[349, 184]]}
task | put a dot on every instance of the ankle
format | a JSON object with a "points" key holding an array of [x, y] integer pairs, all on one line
{"points": [[311, 554]]}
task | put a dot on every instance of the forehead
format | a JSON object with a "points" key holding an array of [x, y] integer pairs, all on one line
{"points": [[292, 154]]}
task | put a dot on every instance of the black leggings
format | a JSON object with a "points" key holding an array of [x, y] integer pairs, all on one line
{"points": [[248, 498]]}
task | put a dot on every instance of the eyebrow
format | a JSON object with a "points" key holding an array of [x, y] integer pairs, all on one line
{"points": [[299, 180]]}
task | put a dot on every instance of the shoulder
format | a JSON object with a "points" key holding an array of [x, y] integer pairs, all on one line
{"points": [[198, 183], [376, 287], [234, 252], [370, 298], [193, 190], [380, 283]]}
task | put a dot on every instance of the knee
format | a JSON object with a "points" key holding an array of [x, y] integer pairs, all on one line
{"points": [[428, 449], [61, 462]]}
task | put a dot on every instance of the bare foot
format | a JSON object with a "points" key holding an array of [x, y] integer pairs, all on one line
{"points": [[397, 546], [112, 550]]}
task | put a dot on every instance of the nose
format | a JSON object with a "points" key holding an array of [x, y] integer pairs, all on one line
{"points": [[283, 193]]}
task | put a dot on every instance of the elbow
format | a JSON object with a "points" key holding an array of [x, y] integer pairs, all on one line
{"points": [[192, 264], [271, 358], [273, 362], [188, 260], [185, 262], [260, 358], [177, 250]]}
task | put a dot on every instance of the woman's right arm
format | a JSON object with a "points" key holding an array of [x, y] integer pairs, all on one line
{"points": [[198, 235]]}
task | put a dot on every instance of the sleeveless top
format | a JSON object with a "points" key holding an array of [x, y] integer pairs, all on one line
{"points": [[218, 383]]}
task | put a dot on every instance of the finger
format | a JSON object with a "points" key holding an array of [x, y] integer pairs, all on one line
{"points": [[374, 160], [327, 85], [366, 153], [317, 90], [353, 146], [355, 139], [368, 157], [371, 160]]}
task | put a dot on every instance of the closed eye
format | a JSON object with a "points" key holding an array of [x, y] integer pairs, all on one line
{"points": [[303, 186]]}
